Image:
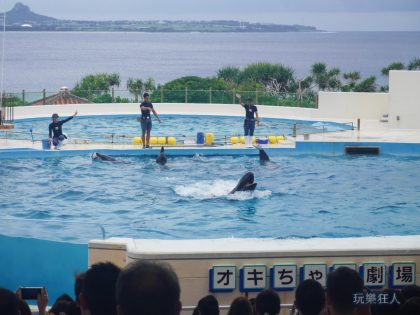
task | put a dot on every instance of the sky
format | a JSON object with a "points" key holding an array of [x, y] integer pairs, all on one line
{"points": [[330, 15]]}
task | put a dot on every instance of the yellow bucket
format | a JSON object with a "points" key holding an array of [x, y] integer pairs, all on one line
{"points": [[209, 138]]}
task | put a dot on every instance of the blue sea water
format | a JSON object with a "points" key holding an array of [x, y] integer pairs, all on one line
{"points": [[124, 128], [38, 60], [306, 196]]}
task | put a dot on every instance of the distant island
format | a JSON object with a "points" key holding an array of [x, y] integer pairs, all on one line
{"points": [[21, 18]]}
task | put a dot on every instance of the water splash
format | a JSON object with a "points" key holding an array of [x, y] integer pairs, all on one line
{"points": [[218, 189]]}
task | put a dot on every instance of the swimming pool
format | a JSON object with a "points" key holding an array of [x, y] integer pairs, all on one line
{"points": [[306, 196], [125, 127]]}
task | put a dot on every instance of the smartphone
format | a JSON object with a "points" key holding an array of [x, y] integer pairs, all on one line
{"points": [[30, 293]]}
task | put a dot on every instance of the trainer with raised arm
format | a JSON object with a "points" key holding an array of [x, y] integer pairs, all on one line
{"points": [[146, 120], [250, 120], [55, 129]]}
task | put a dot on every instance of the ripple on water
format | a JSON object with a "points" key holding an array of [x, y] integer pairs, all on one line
{"points": [[307, 196]]}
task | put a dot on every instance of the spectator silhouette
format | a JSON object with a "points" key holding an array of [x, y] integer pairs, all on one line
{"points": [[208, 305], [410, 307], [240, 306], [98, 292], [267, 303], [342, 284], [9, 302], [309, 297], [148, 288]]}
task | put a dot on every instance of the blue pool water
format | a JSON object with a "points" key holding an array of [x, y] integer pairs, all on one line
{"points": [[100, 128], [306, 196]]}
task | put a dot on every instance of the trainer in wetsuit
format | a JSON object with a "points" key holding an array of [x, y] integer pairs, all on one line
{"points": [[146, 120], [55, 129], [250, 120]]}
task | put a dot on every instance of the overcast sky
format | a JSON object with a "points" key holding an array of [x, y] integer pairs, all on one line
{"points": [[332, 15]]}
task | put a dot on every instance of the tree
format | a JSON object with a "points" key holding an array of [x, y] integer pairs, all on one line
{"points": [[114, 79], [93, 85], [320, 75], [414, 64], [198, 90], [229, 74], [324, 79], [334, 82], [135, 87], [269, 75], [392, 66], [150, 85], [352, 79], [367, 85]]}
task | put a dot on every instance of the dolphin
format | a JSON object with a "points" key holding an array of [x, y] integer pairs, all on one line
{"points": [[102, 157], [161, 158], [263, 156], [246, 183], [264, 159]]}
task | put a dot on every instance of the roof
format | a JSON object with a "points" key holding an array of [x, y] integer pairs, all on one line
{"points": [[61, 98]]}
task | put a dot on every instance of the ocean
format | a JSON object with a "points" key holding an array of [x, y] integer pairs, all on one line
{"points": [[50, 60]]}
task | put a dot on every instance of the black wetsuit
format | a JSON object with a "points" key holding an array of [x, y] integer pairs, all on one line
{"points": [[249, 122], [146, 119], [56, 130]]}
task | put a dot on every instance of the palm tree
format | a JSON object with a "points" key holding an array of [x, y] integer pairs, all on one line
{"points": [[320, 75], [414, 64], [149, 85], [334, 82], [393, 66], [135, 87], [352, 77], [114, 79], [367, 85]]}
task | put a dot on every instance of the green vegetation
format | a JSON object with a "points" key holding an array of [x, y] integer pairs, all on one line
{"points": [[266, 83]]}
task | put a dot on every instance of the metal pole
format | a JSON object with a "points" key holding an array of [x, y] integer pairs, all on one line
{"points": [[113, 94], [233, 98], [256, 96], [161, 94], [186, 95], [23, 97], [358, 124], [43, 97], [210, 96], [294, 130], [2, 59]]}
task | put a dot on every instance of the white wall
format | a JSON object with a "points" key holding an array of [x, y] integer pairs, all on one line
{"points": [[404, 100], [332, 107], [353, 105]]}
